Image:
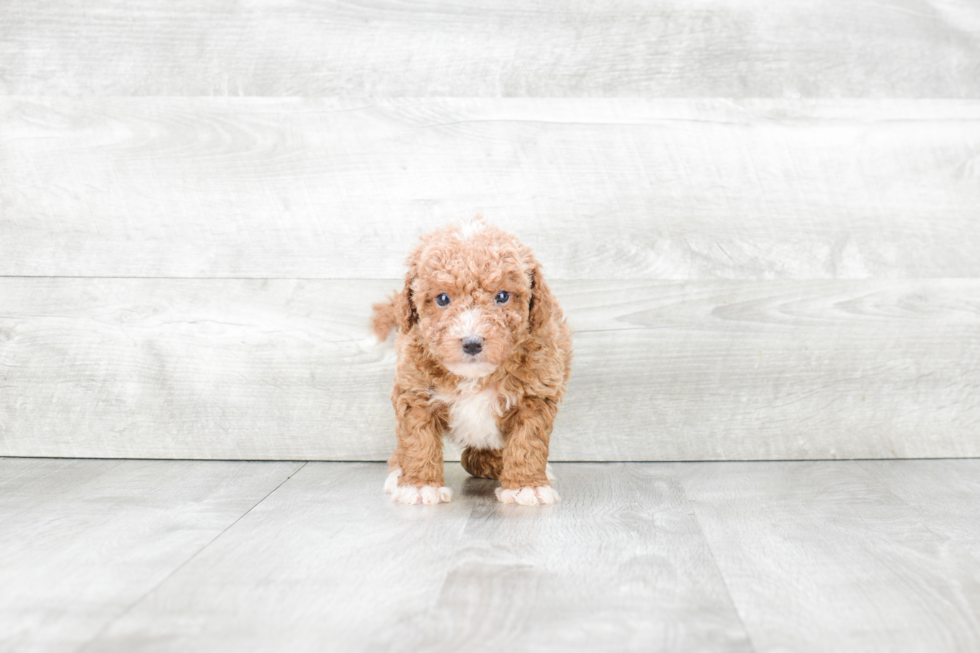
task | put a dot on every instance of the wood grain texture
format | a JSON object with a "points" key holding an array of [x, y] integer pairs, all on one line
{"points": [[846, 556], [600, 188], [278, 369], [82, 541], [821, 556], [945, 495], [619, 564], [198, 368], [328, 562], [496, 48]]}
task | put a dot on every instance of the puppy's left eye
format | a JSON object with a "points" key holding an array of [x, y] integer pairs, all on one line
{"points": [[501, 297]]}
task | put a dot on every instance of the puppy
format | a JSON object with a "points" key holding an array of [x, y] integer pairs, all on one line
{"points": [[484, 356]]}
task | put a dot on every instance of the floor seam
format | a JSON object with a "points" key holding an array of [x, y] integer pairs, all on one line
{"points": [[714, 561], [176, 569], [916, 510]]}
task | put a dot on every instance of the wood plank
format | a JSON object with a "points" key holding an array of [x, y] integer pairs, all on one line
{"points": [[81, 541], [498, 48], [600, 188], [620, 564], [29, 484], [218, 369], [778, 370], [326, 561], [822, 557], [729, 556], [944, 493], [279, 369]]}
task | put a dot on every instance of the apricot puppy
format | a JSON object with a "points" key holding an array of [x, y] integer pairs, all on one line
{"points": [[484, 356]]}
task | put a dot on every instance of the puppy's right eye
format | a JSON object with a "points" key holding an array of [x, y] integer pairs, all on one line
{"points": [[442, 300]]}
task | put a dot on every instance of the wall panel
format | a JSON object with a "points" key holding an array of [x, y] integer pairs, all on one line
{"points": [[244, 369], [601, 189]]}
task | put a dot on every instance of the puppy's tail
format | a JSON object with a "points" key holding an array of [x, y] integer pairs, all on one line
{"points": [[384, 320]]}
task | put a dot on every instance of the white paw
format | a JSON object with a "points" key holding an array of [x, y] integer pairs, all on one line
{"points": [[411, 495], [392, 481], [529, 496]]}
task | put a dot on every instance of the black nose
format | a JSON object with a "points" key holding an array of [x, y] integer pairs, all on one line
{"points": [[472, 345]]}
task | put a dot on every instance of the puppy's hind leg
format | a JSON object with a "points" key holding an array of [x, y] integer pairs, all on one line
{"points": [[482, 463]]}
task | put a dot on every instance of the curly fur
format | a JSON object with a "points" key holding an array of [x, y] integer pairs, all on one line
{"points": [[507, 393]]}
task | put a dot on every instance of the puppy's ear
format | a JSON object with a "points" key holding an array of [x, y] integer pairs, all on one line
{"points": [[542, 305], [396, 313], [405, 314], [399, 311], [384, 319]]}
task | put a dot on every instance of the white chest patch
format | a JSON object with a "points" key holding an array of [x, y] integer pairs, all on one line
{"points": [[473, 419]]}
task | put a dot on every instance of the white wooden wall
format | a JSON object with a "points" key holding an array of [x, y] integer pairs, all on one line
{"points": [[763, 219]]}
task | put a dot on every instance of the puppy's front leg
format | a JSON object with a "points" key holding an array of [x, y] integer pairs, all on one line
{"points": [[416, 466], [524, 477]]}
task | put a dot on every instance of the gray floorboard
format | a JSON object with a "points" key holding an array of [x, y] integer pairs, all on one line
{"points": [[230, 556], [82, 540], [326, 563], [943, 493], [821, 556], [620, 564]]}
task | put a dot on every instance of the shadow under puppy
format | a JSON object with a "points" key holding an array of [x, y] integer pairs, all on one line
{"points": [[484, 355]]}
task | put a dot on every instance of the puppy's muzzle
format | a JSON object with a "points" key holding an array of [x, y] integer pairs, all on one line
{"points": [[472, 345]]}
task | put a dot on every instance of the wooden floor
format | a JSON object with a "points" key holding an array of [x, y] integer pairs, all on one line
{"points": [[123, 555]]}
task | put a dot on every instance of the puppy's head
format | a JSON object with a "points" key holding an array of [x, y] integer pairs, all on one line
{"points": [[474, 293]]}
